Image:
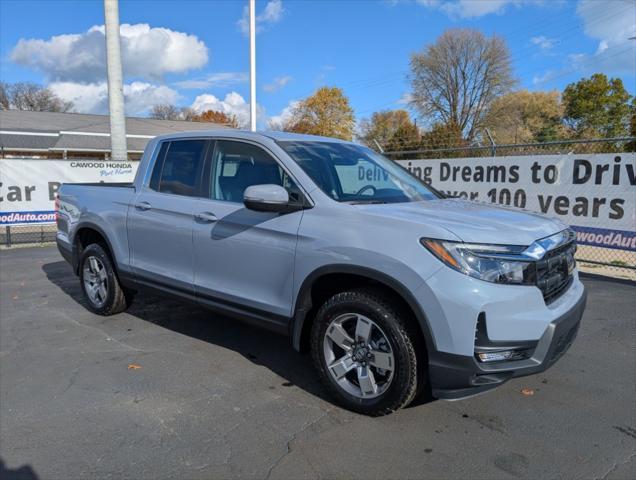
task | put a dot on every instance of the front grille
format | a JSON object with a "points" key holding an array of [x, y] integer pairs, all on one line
{"points": [[554, 271], [551, 295]]}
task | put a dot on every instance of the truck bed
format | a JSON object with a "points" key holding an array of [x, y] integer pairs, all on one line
{"points": [[103, 184], [104, 205]]}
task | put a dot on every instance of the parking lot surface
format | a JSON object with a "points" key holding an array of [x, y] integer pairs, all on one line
{"points": [[169, 390]]}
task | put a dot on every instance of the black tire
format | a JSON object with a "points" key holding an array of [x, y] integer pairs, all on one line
{"points": [[117, 299], [376, 306]]}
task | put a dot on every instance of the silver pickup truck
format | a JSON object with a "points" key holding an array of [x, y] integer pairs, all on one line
{"points": [[392, 287]]}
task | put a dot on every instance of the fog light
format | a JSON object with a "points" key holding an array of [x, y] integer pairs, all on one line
{"points": [[495, 356]]}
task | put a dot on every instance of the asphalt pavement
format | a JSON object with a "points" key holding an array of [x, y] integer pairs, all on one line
{"points": [[169, 390]]}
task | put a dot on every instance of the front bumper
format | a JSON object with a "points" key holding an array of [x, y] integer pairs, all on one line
{"points": [[458, 376]]}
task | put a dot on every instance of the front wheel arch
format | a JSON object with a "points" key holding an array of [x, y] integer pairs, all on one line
{"points": [[344, 277]]}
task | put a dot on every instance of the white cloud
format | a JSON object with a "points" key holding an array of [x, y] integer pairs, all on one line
{"points": [[474, 8], [272, 13], [233, 103], [612, 24], [93, 97], [277, 121], [544, 43], [543, 78], [218, 80], [147, 52], [615, 19], [277, 84]]}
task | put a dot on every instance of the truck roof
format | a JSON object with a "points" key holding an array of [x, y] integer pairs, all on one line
{"points": [[249, 135]]}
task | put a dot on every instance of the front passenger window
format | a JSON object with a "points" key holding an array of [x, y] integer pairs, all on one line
{"points": [[238, 165]]}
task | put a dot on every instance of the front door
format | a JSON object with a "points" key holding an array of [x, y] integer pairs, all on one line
{"points": [[161, 217], [242, 256]]}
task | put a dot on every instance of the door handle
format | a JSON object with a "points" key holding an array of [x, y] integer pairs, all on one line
{"points": [[205, 217], [143, 206]]}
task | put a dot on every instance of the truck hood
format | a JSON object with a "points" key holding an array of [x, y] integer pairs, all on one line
{"points": [[470, 221]]}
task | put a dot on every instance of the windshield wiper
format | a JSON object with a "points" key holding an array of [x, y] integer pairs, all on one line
{"points": [[365, 202]]}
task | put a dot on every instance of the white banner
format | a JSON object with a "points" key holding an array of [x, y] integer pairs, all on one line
{"points": [[594, 193], [28, 187]]}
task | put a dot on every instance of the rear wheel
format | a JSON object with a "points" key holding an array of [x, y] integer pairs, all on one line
{"points": [[364, 352], [99, 282]]}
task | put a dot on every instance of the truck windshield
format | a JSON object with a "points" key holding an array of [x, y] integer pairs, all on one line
{"points": [[356, 174]]}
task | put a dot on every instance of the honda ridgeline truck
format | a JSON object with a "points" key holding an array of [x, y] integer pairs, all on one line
{"points": [[392, 287]]}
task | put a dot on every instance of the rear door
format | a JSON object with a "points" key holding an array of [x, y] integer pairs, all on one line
{"points": [[161, 217], [242, 256]]}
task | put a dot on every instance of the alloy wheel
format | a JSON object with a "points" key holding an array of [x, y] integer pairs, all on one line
{"points": [[358, 356], [95, 281]]}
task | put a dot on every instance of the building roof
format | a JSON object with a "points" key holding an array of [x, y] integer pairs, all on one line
{"points": [[78, 132]]}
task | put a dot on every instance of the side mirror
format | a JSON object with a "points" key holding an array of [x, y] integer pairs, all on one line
{"points": [[266, 198]]}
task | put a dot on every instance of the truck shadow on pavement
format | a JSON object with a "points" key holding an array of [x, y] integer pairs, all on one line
{"points": [[25, 472], [258, 345]]}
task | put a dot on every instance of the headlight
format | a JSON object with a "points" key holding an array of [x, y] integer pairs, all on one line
{"points": [[492, 263]]}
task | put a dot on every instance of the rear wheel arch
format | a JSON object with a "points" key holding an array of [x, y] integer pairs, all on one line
{"points": [[87, 234], [326, 281]]}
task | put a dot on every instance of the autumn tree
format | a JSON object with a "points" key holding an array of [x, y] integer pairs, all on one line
{"points": [[525, 116], [631, 146], [406, 137], [216, 116], [32, 97], [327, 112], [392, 129], [442, 136], [455, 79], [597, 106]]}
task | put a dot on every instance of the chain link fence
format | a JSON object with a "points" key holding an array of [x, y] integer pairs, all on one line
{"points": [[23, 235], [560, 147]]}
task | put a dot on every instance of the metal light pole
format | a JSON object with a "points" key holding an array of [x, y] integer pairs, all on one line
{"points": [[115, 83], [252, 65]]}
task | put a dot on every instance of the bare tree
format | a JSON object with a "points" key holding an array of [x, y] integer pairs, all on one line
{"points": [[5, 104], [165, 111], [455, 79], [188, 114], [33, 97]]}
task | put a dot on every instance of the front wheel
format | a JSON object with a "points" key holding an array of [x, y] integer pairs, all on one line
{"points": [[364, 352], [99, 282]]}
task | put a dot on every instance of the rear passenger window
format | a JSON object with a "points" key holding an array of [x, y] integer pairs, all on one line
{"points": [[156, 171], [178, 167]]}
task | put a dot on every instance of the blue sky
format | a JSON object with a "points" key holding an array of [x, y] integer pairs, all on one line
{"points": [[195, 52]]}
